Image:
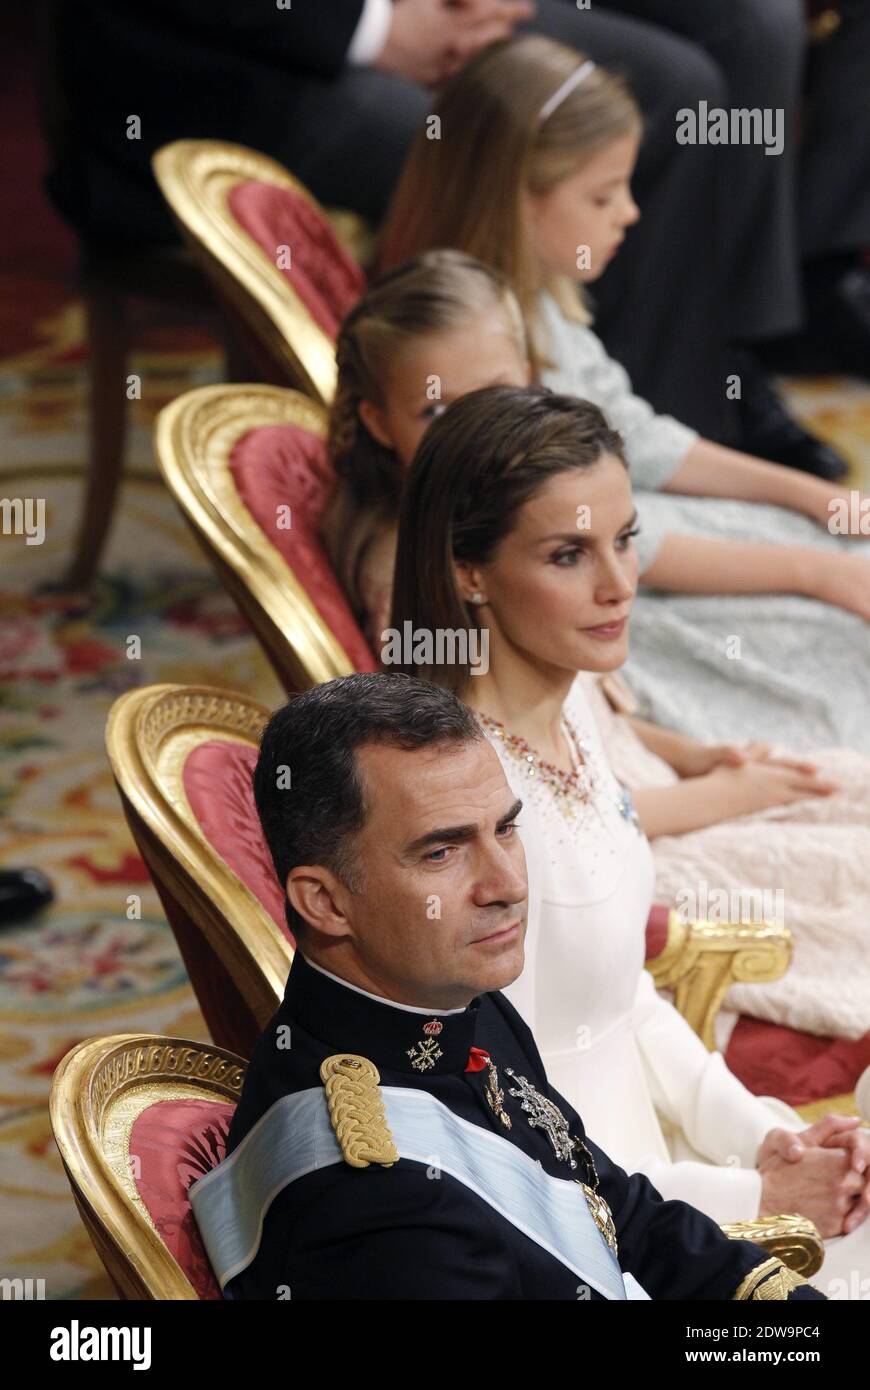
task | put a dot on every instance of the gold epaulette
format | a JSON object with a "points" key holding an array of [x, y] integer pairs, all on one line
{"points": [[356, 1109], [769, 1280]]}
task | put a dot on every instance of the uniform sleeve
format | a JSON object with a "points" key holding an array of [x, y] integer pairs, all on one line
{"points": [[578, 365], [675, 1251], [386, 1233]]}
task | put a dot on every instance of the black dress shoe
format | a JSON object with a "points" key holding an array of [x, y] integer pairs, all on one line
{"points": [[22, 893], [771, 433]]}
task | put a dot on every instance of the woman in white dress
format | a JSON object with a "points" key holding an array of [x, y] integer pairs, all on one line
{"points": [[516, 530], [717, 817], [735, 553]]}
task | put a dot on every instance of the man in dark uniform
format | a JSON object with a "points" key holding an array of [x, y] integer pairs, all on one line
{"points": [[397, 1136]]}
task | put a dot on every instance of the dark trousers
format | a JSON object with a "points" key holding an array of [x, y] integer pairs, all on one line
{"points": [[835, 159], [714, 255]]}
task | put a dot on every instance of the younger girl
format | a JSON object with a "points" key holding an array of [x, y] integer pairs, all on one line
{"points": [[489, 542], [426, 333], [530, 173]]}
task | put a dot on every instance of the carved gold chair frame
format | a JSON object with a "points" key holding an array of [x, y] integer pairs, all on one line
{"points": [[103, 1085], [194, 440], [236, 956], [97, 1093], [196, 177]]}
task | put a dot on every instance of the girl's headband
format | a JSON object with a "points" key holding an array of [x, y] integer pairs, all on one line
{"points": [[577, 76]]}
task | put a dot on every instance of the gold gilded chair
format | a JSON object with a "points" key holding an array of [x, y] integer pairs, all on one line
{"points": [[270, 252], [138, 1118], [181, 757], [700, 961], [247, 467]]}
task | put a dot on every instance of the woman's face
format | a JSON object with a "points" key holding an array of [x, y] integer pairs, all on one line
{"points": [[438, 369], [560, 587], [578, 226]]}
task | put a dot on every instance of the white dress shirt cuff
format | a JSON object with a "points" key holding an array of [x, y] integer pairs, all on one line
{"points": [[371, 32]]}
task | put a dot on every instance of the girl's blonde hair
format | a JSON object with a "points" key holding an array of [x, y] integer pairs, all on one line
{"points": [[432, 293], [485, 146]]}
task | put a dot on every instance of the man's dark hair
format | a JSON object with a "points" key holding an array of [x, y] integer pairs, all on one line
{"points": [[307, 785]]}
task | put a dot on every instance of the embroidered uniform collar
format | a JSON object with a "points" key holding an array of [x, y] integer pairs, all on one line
{"points": [[396, 1037]]}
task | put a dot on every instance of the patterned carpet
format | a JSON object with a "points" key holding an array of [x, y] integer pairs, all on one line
{"points": [[84, 967]]}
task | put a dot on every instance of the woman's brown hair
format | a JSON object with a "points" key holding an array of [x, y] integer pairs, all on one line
{"points": [[477, 465], [486, 145]]}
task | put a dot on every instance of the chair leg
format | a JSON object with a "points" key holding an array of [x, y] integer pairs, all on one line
{"points": [[107, 363]]}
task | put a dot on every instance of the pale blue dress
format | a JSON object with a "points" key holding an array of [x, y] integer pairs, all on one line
{"points": [[777, 667]]}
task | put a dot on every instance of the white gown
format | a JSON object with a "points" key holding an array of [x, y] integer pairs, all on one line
{"points": [[647, 1089]]}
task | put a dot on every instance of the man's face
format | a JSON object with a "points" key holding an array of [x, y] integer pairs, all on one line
{"points": [[442, 912]]}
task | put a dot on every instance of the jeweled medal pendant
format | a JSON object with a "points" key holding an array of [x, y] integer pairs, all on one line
{"points": [[601, 1214], [495, 1095], [544, 1114]]}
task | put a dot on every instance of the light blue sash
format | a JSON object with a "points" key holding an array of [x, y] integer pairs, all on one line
{"points": [[296, 1137]]}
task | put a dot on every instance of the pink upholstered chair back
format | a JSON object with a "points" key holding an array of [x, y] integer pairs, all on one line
{"points": [[281, 467], [173, 1143], [300, 242], [218, 786]]}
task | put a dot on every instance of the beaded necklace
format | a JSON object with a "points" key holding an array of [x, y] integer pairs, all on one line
{"points": [[569, 788], [573, 791]]}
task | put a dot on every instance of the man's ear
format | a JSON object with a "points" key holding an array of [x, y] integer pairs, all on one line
{"points": [[319, 897], [375, 421]]}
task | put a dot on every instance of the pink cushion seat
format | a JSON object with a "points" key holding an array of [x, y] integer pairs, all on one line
{"points": [[280, 466], [322, 274], [217, 783], [657, 930], [799, 1068], [173, 1143]]}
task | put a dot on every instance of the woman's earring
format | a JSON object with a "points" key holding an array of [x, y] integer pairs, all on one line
{"points": [[477, 597]]}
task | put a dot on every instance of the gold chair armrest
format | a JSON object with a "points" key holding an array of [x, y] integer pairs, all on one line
{"points": [[792, 1239], [701, 960]]}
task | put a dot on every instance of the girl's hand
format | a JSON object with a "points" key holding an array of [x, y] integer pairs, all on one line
{"points": [[843, 580], [749, 787], [701, 758]]}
